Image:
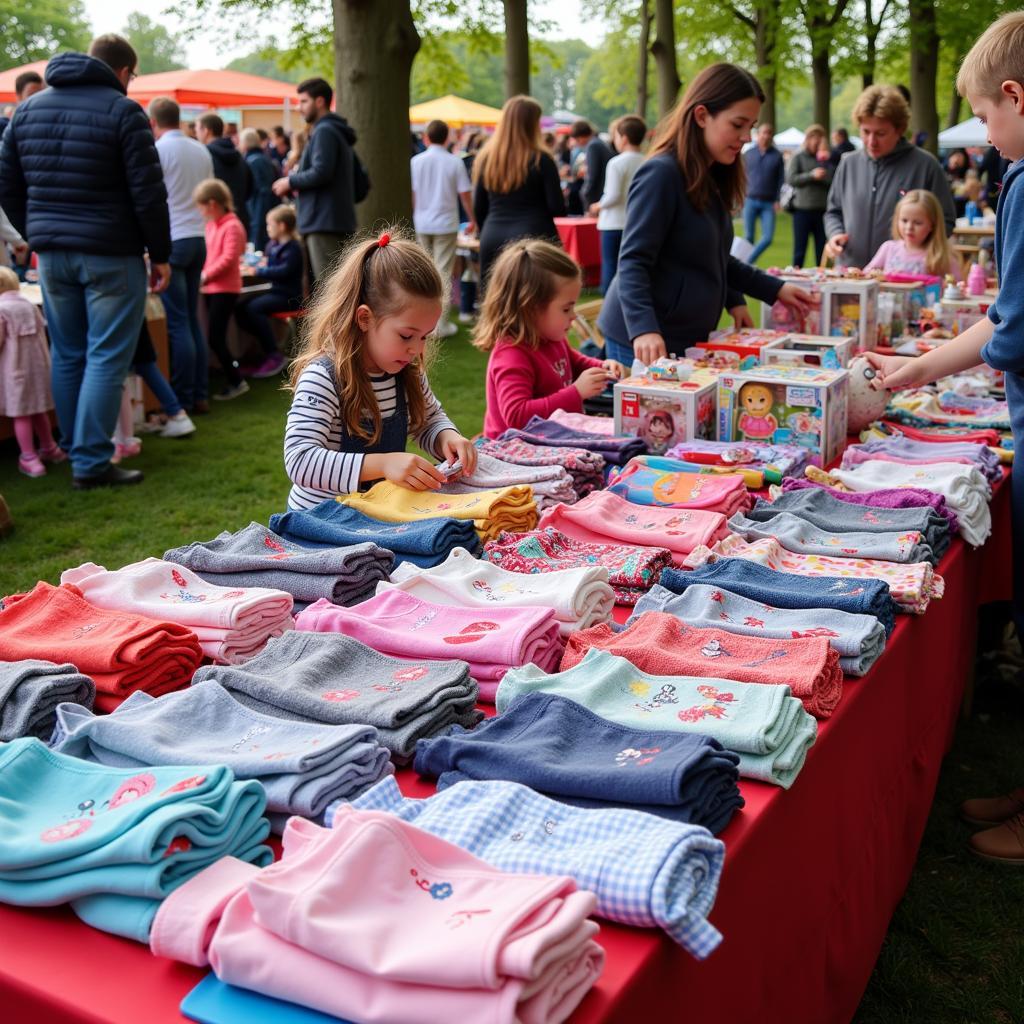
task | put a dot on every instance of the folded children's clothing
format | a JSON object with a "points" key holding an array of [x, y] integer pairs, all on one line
{"points": [[579, 597], [402, 626], [788, 590], [335, 680], [773, 461], [302, 766], [616, 449], [256, 557], [581, 421], [912, 585], [491, 512], [116, 841], [646, 871], [940, 435], [796, 534], [231, 624], [924, 408], [425, 542], [586, 468], [632, 569], [766, 725], [30, 691], [119, 651], [378, 921], [858, 640], [908, 451], [549, 484], [655, 480], [561, 749], [663, 645]]}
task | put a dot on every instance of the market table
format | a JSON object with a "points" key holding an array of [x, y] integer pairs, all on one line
{"points": [[582, 242], [812, 876]]}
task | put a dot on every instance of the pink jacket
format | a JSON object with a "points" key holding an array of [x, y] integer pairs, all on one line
{"points": [[225, 243]]}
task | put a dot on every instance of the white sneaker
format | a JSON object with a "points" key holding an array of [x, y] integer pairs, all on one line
{"points": [[467, 318], [445, 329], [178, 426]]}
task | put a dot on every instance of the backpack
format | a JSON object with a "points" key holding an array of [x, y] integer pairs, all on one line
{"points": [[361, 184]]}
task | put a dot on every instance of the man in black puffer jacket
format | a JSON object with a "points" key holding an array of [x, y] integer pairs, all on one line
{"points": [[81, 180]]}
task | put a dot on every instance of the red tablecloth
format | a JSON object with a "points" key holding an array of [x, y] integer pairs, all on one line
{"points": [[583, 243], [811, 877]]}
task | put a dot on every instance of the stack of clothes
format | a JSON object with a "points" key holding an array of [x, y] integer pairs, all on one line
{"points": [[331, 525], [655, 480], [581, 421], [908, 452], [561, 749], [549, 484], [114, 842], [377, 921], [759, 464], [882, 429], [402, 626], [119, 651], [30, 692], [579, 597], [924, 408], [491, 512], [616, 449], [585, 468], [256, 557], [632, 569]]}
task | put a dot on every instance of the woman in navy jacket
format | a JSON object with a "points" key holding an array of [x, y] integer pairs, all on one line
{"points": [[675, 273]]}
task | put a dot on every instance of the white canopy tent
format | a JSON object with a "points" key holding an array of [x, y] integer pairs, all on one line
{"points": [[968, 133], [791, 138]]}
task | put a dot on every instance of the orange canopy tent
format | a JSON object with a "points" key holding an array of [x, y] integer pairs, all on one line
{"points": [[7, 78], [209, 88]]}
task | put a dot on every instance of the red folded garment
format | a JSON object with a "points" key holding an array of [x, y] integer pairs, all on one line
{"points": [[663, 645], [983, 435], [120, 651]]}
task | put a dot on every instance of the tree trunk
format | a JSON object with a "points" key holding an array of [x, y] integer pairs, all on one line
{"points": [[822, 73], [924, 66], [643, 53], [664, 50], [765, 32], [517, 49], [870, 59], [373, 94], [955, 109]]}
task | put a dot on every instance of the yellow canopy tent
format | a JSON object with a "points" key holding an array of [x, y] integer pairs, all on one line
{"points": [[454, 111]]}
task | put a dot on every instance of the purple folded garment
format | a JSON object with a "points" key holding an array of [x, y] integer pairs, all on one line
{"points": [[617, 450], [896, 497], [979, 455]]}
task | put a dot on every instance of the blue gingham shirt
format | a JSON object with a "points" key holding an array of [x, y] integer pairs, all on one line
{"points": [[645, 870]]}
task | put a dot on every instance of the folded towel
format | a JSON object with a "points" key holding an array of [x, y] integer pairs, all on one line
{"points": [[334, 680], [403, 626], [30, 691], [765, 725], [789, 590], [661, 644], [646, 871], [581, 421], [906, 449], [491, 512], [858, 640], [579, 597], [121, 652], [655, 480], [256, 557], [604, 518], [425, 542], [616, 449], [585, 468], [116, 841], [632, 570], [561, 749]]}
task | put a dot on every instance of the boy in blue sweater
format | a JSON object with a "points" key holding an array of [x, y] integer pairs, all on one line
{"points": [[992, 79]]}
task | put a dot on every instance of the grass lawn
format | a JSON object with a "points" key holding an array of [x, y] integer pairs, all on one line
{"points": [[955, 949]]}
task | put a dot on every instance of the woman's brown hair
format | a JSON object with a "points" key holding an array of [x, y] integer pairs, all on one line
{"points": [[506, 157], [716, 89], [383, 277], [524, 278]]}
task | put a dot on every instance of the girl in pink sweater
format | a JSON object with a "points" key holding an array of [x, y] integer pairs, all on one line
{"points": [[221, 281], [528, 310]]}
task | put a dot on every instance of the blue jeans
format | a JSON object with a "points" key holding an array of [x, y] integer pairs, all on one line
{"points": [[622, 353], [753, 211], [610, 243], [189, 360], [94, 310], [150, 373]]}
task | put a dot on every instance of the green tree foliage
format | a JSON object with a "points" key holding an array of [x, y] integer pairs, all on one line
{"points": [[157, 49], [38, 29]]}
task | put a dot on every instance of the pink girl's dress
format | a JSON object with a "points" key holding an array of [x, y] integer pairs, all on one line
{"points": [[24, 358], [895, 258]]}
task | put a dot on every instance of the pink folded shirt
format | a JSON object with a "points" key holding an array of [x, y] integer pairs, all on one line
{"points": [[604, 517], [603, 425], [492, 641], [854, 457], [378, 921]]}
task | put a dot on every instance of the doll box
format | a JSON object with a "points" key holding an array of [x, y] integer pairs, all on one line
{"points": [[781, 404], [664, 413], [901, 311], [747, 341], [779, 318], [849, 309], [810, 350]]}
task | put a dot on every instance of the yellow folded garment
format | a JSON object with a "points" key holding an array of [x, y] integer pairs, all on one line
{"points": [[509, 509]]}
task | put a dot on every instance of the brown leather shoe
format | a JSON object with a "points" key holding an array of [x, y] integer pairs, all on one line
{"points": [[992, 810], [1003, 844]]}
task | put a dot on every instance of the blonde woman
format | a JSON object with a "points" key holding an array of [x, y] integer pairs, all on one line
{"points": [[294, 157], [810, 174], [516, 189]]}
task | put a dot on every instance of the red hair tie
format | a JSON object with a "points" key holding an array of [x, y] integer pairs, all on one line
{"points": [[383, 240]]}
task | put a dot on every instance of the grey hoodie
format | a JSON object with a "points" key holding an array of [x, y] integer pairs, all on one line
{"points": [[865, 192]]}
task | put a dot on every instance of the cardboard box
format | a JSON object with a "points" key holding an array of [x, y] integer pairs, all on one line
{"points": [[778, 317], [748, 341], [849, 308], [900, 304], [782, 404], [810, 350], [665, 412]]}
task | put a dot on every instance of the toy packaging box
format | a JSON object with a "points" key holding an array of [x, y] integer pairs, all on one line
{"points": [[780, 318], [956, 315], [849, 308], [748, 341], [810, 350], [781, 404], [664, 412], [900, 303]]}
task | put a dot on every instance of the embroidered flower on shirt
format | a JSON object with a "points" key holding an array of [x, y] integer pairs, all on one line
{"points": [[340, 696], [192, 782], [714, 649], [178, 578], [754, 623], [410, 675], [715, 707], [132, 789], [634, 757], [68, 830], [437, 890], [815, 631]]}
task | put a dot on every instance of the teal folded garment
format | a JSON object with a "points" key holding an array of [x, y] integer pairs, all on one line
{"points": [[765, 725], [74, 830]]}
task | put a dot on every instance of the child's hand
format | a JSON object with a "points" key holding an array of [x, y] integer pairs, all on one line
{"points": [[896, 372], [457, 448], [410, 471], [591, 381], [615, 368]]}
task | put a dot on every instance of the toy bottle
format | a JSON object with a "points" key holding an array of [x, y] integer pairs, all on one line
{"points": [[976, 282]]}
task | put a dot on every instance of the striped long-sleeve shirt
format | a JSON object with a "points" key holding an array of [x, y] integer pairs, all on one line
{"points": [[314, 458]]}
